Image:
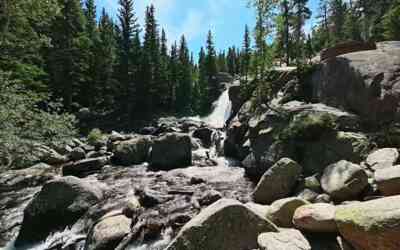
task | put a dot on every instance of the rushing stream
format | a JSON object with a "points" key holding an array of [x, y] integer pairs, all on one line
{"points": [[221, 175]]}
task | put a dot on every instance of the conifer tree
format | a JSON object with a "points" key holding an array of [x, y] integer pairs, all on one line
{"points": [[301, 14], [246, 53], [173, 77], [184, 88], [211, 69]]}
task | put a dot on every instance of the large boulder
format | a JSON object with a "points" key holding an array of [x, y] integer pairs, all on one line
{"points": [[285, 239], [388, 180], [85, 167], [345, 48], [366, 83], [225, 225], [344, 180], [170, 151], [60, 203], [133, 151], [108, 233], [281, 211], [382, 158], [316, 218], [371, 225], [278, 182]]}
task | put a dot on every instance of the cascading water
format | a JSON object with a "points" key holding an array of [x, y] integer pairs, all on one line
{"points": [[222, 111]]}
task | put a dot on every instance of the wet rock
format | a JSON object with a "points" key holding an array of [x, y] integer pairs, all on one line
{"points": [[77, 154], [382, 158], [225, 225], [107, 233], [388, 180], [173, 150], [371, 225], [133, 151], [85, 167], [278, 182], [150, 198], [317, 218], [205, 135], [281, 211], [287, 239], [60, 203], [196, 180], [209, 197], [344, 180]]}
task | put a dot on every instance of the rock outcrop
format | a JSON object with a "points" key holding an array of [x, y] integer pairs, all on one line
{"points": [[365, 82]]}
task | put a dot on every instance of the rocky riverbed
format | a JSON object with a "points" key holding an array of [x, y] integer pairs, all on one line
{"points": [[313, 169]]}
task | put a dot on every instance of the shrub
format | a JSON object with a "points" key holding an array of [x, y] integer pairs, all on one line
{"points": [[95, 137], [308, 127], [26, 120]]}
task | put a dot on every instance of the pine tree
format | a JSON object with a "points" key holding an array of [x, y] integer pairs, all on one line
{"points": [[301, 14], [337, 17], [203, 83], [184, 88], [352, 28], [151, 61], [231, 61], [66, 64], [391, 23], [127, 30], [246, 53], [173, 77], [105, 63], [211, 69], [163, 80]]}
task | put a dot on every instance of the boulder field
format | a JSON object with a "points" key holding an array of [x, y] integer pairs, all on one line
{"points": [[316, 168]]}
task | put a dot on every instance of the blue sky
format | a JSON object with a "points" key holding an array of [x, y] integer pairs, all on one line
{"points": [[226, 18]]}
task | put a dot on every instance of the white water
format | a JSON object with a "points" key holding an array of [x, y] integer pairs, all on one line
{"points": [[221, 112]]}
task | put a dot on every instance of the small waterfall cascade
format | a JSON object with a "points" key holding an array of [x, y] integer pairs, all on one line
{"points": [[221, 112]]}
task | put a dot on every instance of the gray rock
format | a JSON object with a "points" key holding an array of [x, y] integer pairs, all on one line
{"points": [[344, 180], [281, 211], [316, 218], [307, 194], [209, 197], [47, 155], [77, 154], [363, 82], [388, 180], [323, 198], [85, 167], [173, 150], [371, 225], [382, 158], [133, 151], [278, 182], [60, 203], [107, 233], [262, 210], [225, 225], [285, 239]]}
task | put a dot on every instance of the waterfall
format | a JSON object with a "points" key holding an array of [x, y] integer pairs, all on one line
{"points": [[221, 111]]}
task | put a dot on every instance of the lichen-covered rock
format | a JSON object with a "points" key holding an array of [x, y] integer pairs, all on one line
{"points": [[281, 211], [285, 239], [382, 158], [225, 225], [317, 218], [59, 204], [133, 151], [344, 180], [388, 180], [278, 182], [108, 233], [173, 150], [371, 225]]}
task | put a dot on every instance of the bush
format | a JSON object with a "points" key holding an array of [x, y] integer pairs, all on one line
{"points": [[26, 120], [95, 137]]}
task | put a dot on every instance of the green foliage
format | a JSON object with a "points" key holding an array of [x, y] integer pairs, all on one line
{"points": [[391, 23], [308, 127], [25, 123], [95, 136]]}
